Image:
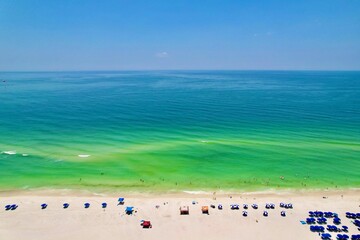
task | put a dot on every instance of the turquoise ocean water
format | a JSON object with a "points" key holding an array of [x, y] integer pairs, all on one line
{"points": [[180, 130]]}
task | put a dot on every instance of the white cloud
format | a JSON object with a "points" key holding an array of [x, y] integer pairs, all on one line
{"points": [[162, 55]]}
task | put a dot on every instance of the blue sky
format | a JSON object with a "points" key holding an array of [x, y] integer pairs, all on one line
{"points": [[174, 34]]}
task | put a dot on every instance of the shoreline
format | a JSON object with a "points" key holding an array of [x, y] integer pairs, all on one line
{"points": [[176, 193]]}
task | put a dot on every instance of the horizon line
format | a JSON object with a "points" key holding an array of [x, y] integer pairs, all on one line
{"points": [[163, 70]]}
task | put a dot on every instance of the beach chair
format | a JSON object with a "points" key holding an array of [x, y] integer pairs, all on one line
{"points": [[357, 223], [358, 215], [7, 207], [14, 207], [321, 220], [344, 228], [205, 209], [220, 206], [289, 205], [355, 237], [342, 237], [265, 214], [121, 201], [129, 210], [272, 206], [212, 206], [66, 205], [184, 210], [245, 206], [326, 236], [283, 214], [310, 220], [234, 206], [87, 205], [282, 205], [146, 224], [255, 206], [245, 213], [193, 202], [44, 206], [337, 221], [328, 214], [104, 205], [267, 206]]}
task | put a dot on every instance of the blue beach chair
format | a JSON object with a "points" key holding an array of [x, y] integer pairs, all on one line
{"points": [[337, 221], [265, 214], [44, 206], [255, 206], [87, 205], [245, 206], [357, 223], [245, 213], [289, 205], [14, 207], [121, 201], [8, 207], [283, 214], [104, 205], [66, 205], [342, 237], [326, 236], [234, 206], [220, 206]]}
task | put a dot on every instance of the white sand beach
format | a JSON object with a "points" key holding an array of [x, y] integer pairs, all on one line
{"points": [[29, 222]]}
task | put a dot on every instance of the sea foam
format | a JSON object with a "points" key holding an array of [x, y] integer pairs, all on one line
{"points": [[9, 152]]}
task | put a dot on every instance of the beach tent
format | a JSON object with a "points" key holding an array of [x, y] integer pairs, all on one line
{"points": [[129, 210], [205, 209], [146, 224], [184, 210]]}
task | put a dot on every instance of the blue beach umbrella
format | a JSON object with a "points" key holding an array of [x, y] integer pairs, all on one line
{"points": [[129, 210]]}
